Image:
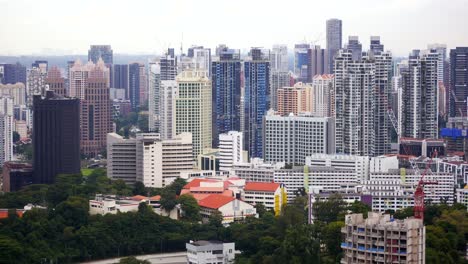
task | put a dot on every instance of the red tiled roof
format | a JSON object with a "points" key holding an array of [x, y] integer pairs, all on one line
{"points": [[155, 198], [207, 189], [139, 197], [215, 201], [196, 183], [4, 214], [261, 186]]}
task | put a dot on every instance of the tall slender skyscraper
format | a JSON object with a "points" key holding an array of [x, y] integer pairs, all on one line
{"points": [[226, 92], [301, 61], [55, 81], [120, 77], [6, 129], [256, 99], [355, 47], [279, 58], [169, 91], [193, 108], [137, 84], [56, 137], [35, 84], [154, 86], [14, 73], [317, 62], [458, 81], [334, 42], [90, 84], [419, 113], [101, 51], [375, 45], [168, 66]]}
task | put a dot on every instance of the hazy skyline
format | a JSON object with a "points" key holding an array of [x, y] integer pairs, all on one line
{"points": [[144, 26]]}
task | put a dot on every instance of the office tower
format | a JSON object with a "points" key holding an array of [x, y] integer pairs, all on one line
{"points": [[171, 52], [193, 108], [14, 73], [190, 51], [137, 84], [226, 92], [6, 129], [292, 138], [279, 58], [383, 239], [334, 39], [383, 79], [120, 108], [317, 62], [294, 99], [154, 85], [278, 80], [323, 98], [169, 92], [90, 84], [101, 51], [256, 99], [56, 137], [355, 47], [35, 84], [458, 81], [43, 65], [301, 61], [375, 45], [168, 65], [120, 77], [202, 59], [230, 149], [160, 162], [55, 81], [16, 91], [419, 113], [67, 83], [355, 105]]}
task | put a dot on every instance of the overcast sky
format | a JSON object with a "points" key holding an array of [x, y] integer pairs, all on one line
{"points": [[150, 26]]}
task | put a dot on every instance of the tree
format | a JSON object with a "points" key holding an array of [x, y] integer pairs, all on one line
{"points": [[261, 210], [16, 136], [74, 211], [330, 210], [133, 260], [144, 208], [359, 208], [139, 188], [190, 207], [143, 122], [216, 219], [168, 199], [299, 246], [177, 185]]}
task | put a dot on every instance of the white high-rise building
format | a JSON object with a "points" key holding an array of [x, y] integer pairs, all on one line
{"points": [[168, 93], [35, 84], [279, 58], [278, 80], [292, 138], [202, 59], [230, 149], [17, 91], [323, 99], [359, 164], [154, 85], [6, 129], [121, 158]]}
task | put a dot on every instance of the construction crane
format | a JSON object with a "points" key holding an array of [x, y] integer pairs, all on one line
{"points": [[419, 191]]}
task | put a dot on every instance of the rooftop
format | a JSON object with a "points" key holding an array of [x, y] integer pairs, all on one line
{"points": [[215, 201], [261, 186]]}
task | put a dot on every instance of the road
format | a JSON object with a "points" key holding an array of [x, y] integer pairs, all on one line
{"points": [[166, 258]]}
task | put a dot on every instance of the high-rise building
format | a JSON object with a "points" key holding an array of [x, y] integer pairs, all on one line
{"points": [[168, 64], [294, 99], [16, 91], [193, 108], [256, 99], [419, 113], [375, 45], [168, 94], [226, 92], [56, 137], [121, 158], [380, 238], [355, 105], [35, 84], [292, 138], [90, 84], [137, 84], [56, 82], [458, 81], [278, 80], [301, 62], [279, 58], [323, 98], [334, 42], [154, 86], [190, 51], [120, 77], [317, 62], [6, 129], [101, 51], [43, 65], [202, 59], [13, 73], [230, 149], [355, 47]]}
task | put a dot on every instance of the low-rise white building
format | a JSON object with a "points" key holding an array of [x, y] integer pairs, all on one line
{"points": [[230, 208], [272, 195], [462, 196], [359, 164], [204, 252]]}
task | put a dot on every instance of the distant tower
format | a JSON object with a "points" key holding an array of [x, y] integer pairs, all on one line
{"points": [[355, 47], [334, 42], [101, 51], [375, 45], [458, 81], [301, 61], [56, 82], [137, 85], [35, 85], [6, 129]]}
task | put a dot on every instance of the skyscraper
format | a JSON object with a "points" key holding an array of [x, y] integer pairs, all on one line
{"points": [[375, 45], [294, 99], [458, 81], [137, 84], [168, 94], [317, 62], [43, 65], [35, 84], [323, 99], [168, 66], [226, 92], [279, 58], [90, 84], [55, 81], [14, 73], [193, 108], [334, 42], [355, 105], [256, 99], [56, 137], [355, 47], [301, 61], [101, 51], [6, 129], [202, 59], [120, 77], [278, 80], [154, 86], [419, 113], [230, 149]]}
